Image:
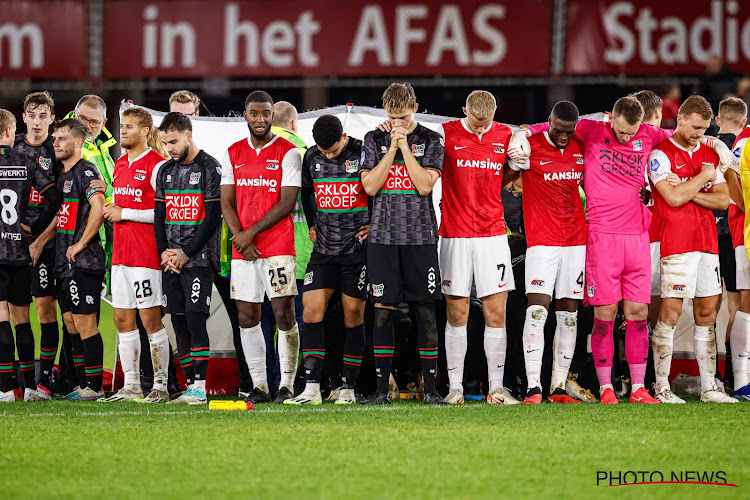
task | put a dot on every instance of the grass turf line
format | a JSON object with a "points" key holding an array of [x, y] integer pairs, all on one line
{"points": [[405, 450]]}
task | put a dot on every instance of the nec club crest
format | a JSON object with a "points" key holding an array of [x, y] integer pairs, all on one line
{"points": [[638, 145], [45, 162], [351, 166], [195, 178], [67, 186], [417, 149]]}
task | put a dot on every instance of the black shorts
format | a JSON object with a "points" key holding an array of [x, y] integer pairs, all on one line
{"points": [[403, 273], [80, 293], [189, 291], [15, 285], [345, 273], [43, 276], [727, 263]]}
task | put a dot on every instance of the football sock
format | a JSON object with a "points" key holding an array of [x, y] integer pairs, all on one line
{"points": [[603, 349], [7, 351], [740, 349], [313, 351], [636, 351], [93, 349], [25, 347], [704, 338], [456, 343], [662, 339], [382, 348], [533, 344], [495, 345], [354, 346], [254, 347], [129, 347], [80, 367], [427, 340], [289, 355], [199, 344], [160, 357], [48, 351], [182, 335], [563, 347]]}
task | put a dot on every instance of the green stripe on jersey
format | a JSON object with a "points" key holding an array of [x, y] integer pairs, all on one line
{"points": [[337, 179], [183, 191], [184, 223], [339, 210]]}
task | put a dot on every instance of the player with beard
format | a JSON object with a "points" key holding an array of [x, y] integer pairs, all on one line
{"points": [[38, 115], [689, 245], [136, 269], [79, 258], [186, 224], [18, 173], [261, 177]]}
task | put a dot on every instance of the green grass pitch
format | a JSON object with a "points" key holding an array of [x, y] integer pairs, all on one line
{"points": [[64, 449]]}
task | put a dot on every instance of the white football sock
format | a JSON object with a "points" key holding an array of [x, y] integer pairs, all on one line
{"points": [[288, 356], [704, 338], [533, 344], [563, 347], [740, 342], [662, 340], [199, 384], [254, 347], [130, 355], [495, 344], [312, 389], [159, 344], [456, 342]]}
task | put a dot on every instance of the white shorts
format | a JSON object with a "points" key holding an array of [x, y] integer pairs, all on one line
{"points": [[655, 268], [272, 276], [136, 287], [689, 275], [485, 260], [743, 268], [556, 270]]}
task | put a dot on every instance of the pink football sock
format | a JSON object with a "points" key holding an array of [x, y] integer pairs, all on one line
{"points": [[636, 349], [603, 349]]}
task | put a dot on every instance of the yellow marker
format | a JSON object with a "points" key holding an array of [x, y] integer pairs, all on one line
{"points": [[229, 405]]}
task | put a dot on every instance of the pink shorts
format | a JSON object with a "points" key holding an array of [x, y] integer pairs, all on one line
{"points": [[618, 266]]}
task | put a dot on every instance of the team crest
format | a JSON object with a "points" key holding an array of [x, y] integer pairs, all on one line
{"points": [[499, 148], [590, 290], [195, 178], [272, 164], [377, 290], [579, 161], [351, 166], [417, 149], [308, 278], [139, 176], [67, 186], [638, 145], [45, 162]]}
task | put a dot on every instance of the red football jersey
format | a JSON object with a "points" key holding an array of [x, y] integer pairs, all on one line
{"points": [[552, 207], [690, 227], [472, 180], [654, 230], [257, 176], [133, 184]]}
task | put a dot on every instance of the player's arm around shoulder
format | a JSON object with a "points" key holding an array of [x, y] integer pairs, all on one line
{"points": [[424, 176]]}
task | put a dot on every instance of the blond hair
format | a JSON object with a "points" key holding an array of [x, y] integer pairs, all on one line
{"points": [[481, 104], [145, 120], [185, 96], [733, 110], [399, 97], [6, 119]]}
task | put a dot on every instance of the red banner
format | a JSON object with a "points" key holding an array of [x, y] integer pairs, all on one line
{"points": [[43, 39], [646, 37], [317, 38]]}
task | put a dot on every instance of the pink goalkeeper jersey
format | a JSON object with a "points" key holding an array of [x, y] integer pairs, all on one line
{"points": [[613, 173]]}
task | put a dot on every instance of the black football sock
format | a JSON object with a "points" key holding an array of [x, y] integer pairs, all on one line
{"points": [[313, 345], [93, 349], [354, 345], [7, 356], [25, 348], [382, 348], [182, 334], [80, 366], [48, 351], [427, 339], [199, 345]]}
